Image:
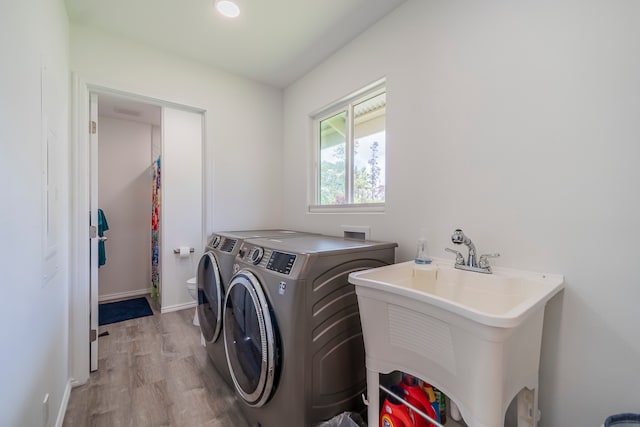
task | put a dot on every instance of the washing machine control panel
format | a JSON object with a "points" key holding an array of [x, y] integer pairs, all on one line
{"points": [[281, 262]]}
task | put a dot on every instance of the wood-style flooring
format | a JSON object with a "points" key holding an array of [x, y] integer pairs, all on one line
{"points": [[153, 371]]}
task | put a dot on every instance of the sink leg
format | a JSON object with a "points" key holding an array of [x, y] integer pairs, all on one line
{"points": [[373, 396], [528, 413]]}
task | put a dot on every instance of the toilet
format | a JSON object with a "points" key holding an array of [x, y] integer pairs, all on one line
{"points": [[192, 287]]}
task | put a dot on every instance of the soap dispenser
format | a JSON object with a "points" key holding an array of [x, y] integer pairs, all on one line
{"points": [[421, 251]]}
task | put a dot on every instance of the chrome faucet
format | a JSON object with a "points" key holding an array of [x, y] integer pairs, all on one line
{"points": [[480, 265]]}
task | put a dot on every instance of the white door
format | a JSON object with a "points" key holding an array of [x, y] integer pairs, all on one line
{"points": [[181, 215], [93, 206]]}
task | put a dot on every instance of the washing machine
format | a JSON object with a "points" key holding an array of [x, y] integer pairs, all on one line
{"points": [[215, 268], [292, 329]]}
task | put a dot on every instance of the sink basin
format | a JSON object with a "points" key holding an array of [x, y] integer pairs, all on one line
{"points": [[476, 337], [501, 299]]}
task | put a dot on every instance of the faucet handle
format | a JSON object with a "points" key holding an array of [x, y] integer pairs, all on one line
{"points": [[484, 259], [459, 256]]}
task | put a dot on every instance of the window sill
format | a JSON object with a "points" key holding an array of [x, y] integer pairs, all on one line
{"points": [[359, 208]]}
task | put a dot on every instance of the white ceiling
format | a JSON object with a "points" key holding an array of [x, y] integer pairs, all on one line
{"points": [[272, 41]]}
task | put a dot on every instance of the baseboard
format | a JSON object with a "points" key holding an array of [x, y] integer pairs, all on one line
{"points": [[63, 405], [178, 307], [124, 295]]}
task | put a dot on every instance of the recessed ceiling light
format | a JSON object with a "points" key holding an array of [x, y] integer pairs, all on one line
{"points": [[227, 8]]}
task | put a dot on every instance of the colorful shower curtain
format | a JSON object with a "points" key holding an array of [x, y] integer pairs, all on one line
{"points": [[155, 227]]}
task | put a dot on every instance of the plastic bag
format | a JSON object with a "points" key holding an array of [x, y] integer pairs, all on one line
{"points": [[345, 419]]}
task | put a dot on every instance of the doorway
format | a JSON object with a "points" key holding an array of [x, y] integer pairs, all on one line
{"points": [[180, 149], [129, 173]]}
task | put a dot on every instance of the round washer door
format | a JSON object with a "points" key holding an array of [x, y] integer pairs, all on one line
{"points": [[210, 297], [250, 339]]}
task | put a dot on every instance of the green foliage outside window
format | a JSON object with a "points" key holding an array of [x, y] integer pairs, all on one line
{"points": [[352, 148]]}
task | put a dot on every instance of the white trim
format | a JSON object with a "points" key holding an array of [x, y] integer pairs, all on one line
{"points": [[63, 405], [122, 295], [92, 140], [178, 307], [75, 383], [79, 298], [345, 105], [207, 183], [103, 90], [79, 245], [348, 208]]}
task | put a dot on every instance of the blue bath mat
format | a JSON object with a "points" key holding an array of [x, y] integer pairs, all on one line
{"points": [[119, 311]]}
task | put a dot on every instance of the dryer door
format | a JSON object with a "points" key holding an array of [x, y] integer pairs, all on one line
{"points": [[250, 339], [210, 297]]}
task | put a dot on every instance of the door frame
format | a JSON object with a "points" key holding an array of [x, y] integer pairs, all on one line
{"points": [[93, 239], [79, 250]]}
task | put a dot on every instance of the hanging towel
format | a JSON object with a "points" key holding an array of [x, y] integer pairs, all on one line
{"points": [[102, 227]]}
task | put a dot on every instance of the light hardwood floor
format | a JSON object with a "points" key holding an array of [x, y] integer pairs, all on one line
{"points": [[152, 371]]}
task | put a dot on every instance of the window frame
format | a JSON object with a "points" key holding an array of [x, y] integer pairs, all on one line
{"points": [[346, 105]]}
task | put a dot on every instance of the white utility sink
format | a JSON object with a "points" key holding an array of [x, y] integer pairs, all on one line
{"points": [[502, 299], [475, 336]]}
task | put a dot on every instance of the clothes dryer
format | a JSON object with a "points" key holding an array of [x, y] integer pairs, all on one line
{"points": [[215, 269], [292, 328]]}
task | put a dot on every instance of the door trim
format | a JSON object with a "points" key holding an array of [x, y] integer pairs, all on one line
{"points": [[93, 242], [79, 324], [79, 297]]}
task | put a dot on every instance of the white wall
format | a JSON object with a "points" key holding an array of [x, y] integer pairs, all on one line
{"points": [[33, 310], [124, 187], [181, 209], [243, 121], [518, 122]]}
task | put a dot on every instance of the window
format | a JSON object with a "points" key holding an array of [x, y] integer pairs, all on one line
{"points": [[350, 144]]}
